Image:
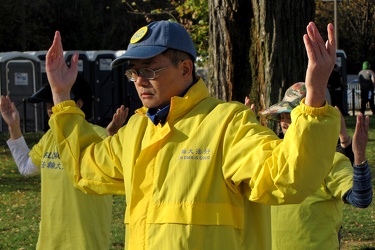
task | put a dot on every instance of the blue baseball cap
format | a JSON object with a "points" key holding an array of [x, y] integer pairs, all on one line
{"points": [[155, 38]]}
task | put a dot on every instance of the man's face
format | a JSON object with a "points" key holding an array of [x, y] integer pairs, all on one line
{"points": [[285, 121], [168, 82]]}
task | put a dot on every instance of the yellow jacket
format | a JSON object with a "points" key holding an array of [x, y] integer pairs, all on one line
{"points": [[314, 223], [66, 213], [186, 181]]}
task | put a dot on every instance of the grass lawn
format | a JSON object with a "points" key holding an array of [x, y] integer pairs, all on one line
{"points": [[20, 205]]}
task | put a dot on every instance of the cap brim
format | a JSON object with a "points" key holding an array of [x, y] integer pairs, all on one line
{"points": [[273, 112], [140, 52], [44, 94]]}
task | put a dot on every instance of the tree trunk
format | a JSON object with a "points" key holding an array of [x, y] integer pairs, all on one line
{"points": [[256, 48]]}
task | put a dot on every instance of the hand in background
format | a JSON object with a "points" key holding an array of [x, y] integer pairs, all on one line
{"points": [[360, 138], [247, 103], [11, 116], [118, 120]]}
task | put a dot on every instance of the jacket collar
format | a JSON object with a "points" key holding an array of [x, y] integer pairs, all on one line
{"points": [[180, 105]]}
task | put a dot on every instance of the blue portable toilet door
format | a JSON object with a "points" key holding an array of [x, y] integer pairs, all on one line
{"points": [[20, 85]]}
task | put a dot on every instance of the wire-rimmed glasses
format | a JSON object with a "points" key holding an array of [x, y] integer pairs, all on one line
{"points": [[149, 74]]}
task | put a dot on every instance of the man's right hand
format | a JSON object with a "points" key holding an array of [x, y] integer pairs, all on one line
{"points": [[60, 76]]}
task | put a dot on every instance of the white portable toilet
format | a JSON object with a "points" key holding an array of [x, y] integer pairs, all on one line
{"points": [[20, 77], [41, 55]]}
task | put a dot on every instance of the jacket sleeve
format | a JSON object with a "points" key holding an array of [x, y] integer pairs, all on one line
{"points": [[274, 171], [340, 179], [361, 194], [87, 158]]}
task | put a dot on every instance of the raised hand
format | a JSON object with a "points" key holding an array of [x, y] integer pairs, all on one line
{"points": [[118, 120], [250, 105], [60, 76], [322, 58], [9, 112], [360, 138], [11, 116]]}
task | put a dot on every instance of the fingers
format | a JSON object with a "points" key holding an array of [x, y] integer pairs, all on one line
{"points": [[57, 41], [60, 77], [2, 103], [126, 113], [315, 45], [5, 104], [362, 125], [250, 105], [74, 63], [360, 138], [120, 116], [322, 57], [247, 101], [331, 42], [314, 40], [365, 124], [54, 53], [358, 124]]}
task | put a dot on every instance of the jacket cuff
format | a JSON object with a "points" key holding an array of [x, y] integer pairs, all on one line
{"points": [[312, 110], [59, 107]]}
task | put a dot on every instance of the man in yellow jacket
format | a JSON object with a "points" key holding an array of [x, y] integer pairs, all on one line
{"points": [[193, 167]]}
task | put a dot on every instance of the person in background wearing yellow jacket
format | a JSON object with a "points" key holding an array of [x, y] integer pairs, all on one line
{"points": [[189, 164], [70, 219], [315, 223]]}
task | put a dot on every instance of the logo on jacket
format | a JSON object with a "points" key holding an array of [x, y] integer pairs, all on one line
{"points": [[51, 160], [195, 154]]}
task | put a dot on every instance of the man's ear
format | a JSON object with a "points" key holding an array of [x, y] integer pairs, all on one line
{"points": [[79, 103], [187, 68]]}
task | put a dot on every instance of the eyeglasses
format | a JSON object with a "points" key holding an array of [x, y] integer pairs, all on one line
{"points": [[149, 74]]}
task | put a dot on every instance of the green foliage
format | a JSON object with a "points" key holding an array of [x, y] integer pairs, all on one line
{"points": [[194, 16]]}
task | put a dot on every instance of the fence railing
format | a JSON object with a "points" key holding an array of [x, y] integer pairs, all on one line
{"points": [[354, 95]]}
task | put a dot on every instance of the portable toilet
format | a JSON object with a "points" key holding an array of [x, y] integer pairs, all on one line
{"points": [[105, 85], [41, 55], [20, 77]]}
